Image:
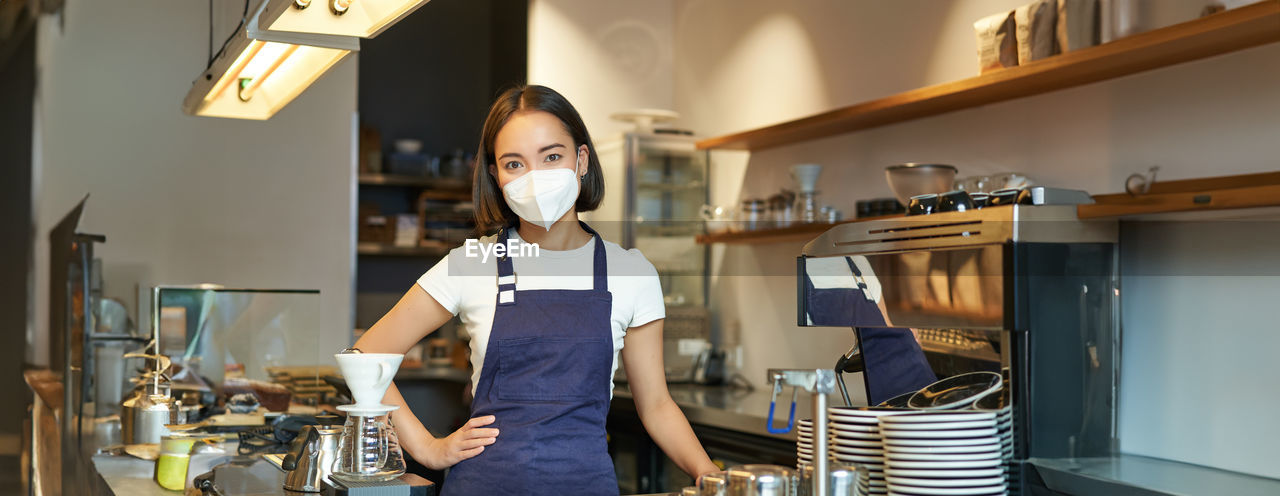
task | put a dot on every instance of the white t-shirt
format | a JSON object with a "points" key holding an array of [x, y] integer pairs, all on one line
{"points": [[465, 282]]}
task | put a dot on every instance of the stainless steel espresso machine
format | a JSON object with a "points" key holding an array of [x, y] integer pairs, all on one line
{"points": [[1029, 291]]}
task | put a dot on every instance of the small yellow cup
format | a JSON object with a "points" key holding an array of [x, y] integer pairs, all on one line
{"points": [[171, 466]]}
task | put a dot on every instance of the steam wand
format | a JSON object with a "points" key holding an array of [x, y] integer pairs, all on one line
{"points": [[849, 362], [820, 383]]}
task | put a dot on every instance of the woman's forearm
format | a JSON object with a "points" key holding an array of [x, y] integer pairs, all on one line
{"points": [[669, 428], [396, 332], [416, 315], [414, 437]]}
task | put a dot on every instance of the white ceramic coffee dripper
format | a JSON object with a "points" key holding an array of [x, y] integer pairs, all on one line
{"points": [[368, 375], [806, 177]]}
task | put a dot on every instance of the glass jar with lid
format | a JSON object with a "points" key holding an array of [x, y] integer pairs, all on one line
{"points": [[753, 214]]}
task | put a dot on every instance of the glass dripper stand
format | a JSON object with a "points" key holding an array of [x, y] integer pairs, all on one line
{"points": [[368, 450], [806, 178]]}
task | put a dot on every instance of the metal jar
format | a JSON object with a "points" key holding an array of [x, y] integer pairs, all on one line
{"points": [[143, 418], [843, 479], [712, 484], [761, 480]]}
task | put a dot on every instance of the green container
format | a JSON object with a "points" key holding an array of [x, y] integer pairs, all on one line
{"points": [[171, 466]]}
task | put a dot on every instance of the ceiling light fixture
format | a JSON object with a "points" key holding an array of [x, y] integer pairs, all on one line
{"points": [[259, 72], [361, 18], [339, 7]]}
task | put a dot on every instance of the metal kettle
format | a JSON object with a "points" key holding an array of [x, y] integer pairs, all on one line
{"points": [[151, 407], [144, 417], [310, 459]]}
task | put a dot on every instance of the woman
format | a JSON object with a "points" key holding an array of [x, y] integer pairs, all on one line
{"points": [[546, 327]]}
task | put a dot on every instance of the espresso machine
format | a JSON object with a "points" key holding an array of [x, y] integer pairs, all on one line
{"points": [[1026, 290]]}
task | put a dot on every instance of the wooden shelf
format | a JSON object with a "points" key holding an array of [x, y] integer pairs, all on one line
{"points": [[1220, 33], [692, 186], [427, 249], [799, 232], [419, 181], [459, 195], [1189, 195], [1209, 194]]}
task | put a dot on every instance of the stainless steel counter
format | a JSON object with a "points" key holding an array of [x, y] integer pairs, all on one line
{"points": [[113, 473], [727, 408], [126, 475], [1122, 475], [714, 406]]}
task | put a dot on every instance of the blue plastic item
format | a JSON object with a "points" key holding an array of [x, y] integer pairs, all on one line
{"points": [[791, 417]]}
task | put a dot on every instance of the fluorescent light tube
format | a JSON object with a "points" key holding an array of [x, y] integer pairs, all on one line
{"points": [[259, 73]]}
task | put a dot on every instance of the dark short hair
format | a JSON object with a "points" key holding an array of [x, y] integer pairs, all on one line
{"points": [[491, 208]]}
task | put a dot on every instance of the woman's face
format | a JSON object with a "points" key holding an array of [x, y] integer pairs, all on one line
{"points": [[534, 140]]}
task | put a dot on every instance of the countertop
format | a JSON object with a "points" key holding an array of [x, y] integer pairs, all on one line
{"points": [[722, 407], [734, 409], [1124, 475], [126, 475]]}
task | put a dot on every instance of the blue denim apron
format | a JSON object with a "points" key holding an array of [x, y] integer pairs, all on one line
{"points": [[546, 381], [894, 362]]}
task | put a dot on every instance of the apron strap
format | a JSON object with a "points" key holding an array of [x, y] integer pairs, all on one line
{"points": [[507, 272], [600, 266], [506, 275], [857, 278]]}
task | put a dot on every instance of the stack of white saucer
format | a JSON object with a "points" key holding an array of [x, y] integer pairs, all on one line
{"points": [[1004, 427], [804, 442], [999, 404], [856, 440], [953, 453]]}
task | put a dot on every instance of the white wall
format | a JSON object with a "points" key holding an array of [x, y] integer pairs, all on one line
{"points": [[188, 199], [604, 56], [1200, 324], [741, 64], [749, 63]]}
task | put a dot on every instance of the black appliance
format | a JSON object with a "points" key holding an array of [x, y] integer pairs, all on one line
{"points": [[1026, 289]]}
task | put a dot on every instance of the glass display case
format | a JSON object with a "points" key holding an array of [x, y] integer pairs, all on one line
{"points": [[656, 185], [211, 330], [662, 179]]}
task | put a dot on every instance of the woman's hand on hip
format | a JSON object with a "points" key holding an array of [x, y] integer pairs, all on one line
{"points": [[464, 443]]}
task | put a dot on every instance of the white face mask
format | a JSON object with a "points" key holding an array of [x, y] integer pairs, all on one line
{"points": [[542, 196]]}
